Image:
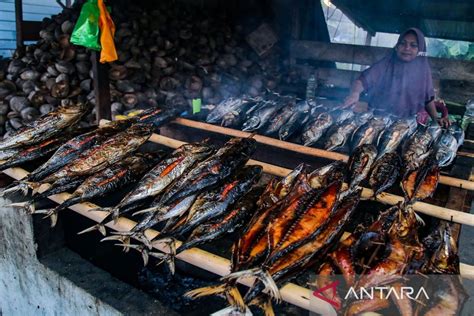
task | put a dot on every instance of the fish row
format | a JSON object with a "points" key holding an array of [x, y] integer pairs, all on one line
{"points": [[333, 129]]}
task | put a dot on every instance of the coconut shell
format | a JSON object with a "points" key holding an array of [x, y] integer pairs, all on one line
{"points": [[29, 114]]}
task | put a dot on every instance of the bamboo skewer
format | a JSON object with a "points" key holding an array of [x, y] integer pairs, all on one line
{"points": [[290, 293], [450, 181]]}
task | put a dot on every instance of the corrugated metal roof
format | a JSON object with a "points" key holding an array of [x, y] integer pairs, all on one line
{"points": [[448, 19], [33, 10]]}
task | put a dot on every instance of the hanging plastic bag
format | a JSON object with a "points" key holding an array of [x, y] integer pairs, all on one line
{"points": [[107, 32], [86, 30]]}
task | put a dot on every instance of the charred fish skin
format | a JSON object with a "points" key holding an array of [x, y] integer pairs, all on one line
{"points": [[369, 132], [395, 135], [341, 134], [279, 120], [218, 202], [385, 172], [73, 148], [45, 127], [108, 180], [233, 155], [417, 149], [32, 153], [297, 119], [315, 130], [224, 108], [157, 117], [261, 116], [231, 221], [105, 154], [360, 164], [164, 173]]}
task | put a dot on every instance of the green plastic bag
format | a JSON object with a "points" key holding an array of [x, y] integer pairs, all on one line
{"points": [[86, 31]]}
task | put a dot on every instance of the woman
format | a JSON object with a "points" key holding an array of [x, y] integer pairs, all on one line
{"points": [[401, 82]]}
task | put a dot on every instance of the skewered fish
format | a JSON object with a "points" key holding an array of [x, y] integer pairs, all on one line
{"points": [[103, 155], [45, 127], [417, 149], [158, 179], [233, 155], [105, 181], [263, 114], [395, 135], [360, 163], [297, 119], [385, 172], [315, 130], [446, 148], [369, 132]]}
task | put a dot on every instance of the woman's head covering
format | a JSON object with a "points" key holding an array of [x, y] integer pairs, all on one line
{"points": [[399, 87]]}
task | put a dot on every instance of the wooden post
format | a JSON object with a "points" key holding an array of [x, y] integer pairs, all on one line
{"points": [[18, 22], [101, 88]]}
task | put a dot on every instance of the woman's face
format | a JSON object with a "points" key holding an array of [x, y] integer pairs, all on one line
{"points": [[407, 48]]}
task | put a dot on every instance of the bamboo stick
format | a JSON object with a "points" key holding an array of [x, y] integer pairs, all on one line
{"points": [[450, 181], [290, 293]]}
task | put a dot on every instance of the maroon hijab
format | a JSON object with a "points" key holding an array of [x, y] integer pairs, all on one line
{"points": [[401, 88]]}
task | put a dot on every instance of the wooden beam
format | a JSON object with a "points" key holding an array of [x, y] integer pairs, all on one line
{"points": [[367, 55], [101, 88], [19, 22]]}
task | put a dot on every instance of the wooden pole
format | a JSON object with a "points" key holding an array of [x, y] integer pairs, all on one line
{"points": [[101, 88], [450, 181], [18, 23]]}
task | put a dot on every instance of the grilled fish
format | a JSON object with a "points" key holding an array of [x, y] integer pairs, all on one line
{"points": [[227, 224], [297, 119], [369, 132], [105, 154], [446, 148], [395, 135], [417, 149], [279, 120], [45, 127], [217, 202], [108, 180], [262, 115], [360, 163], [233, 155], [158, 179], [385, 172], [33, 152], [315, 130], [222, 109]]}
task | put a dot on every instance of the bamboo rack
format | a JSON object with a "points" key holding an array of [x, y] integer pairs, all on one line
{"points": [[290, 293], [310, 151]]}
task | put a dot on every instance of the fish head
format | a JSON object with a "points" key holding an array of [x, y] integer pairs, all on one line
{"points": [[283, 187], [445, 258], [327, 174], [251, 124]]}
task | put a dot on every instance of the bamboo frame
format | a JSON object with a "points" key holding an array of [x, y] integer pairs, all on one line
{"points": [[450, 181]]}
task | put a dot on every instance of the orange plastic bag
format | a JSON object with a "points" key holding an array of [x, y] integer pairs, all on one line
{"points": [[107, 32]]}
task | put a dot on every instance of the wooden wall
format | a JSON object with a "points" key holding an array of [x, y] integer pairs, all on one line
{"points": [[33, 10]]}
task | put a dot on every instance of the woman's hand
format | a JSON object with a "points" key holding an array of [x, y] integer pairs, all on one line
{"points": [[444, 122], [350, 100]]}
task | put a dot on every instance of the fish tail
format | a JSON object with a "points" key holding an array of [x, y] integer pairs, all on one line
{"points": [[123, 237], [140, 248], [260, 274], [52, 214], [18, 186], [100, 227], [165, 257], [28, 206], [230, 291]]}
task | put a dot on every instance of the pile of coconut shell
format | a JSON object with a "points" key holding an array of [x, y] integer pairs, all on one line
{"points": [[168, 54]]}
